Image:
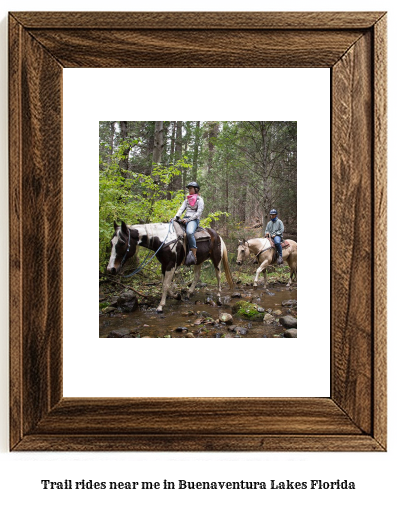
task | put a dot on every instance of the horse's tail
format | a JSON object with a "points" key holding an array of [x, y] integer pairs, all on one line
{"points": [[226, 265]]}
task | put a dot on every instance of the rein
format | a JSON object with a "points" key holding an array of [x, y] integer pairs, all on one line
{"points": [[143, 263]]}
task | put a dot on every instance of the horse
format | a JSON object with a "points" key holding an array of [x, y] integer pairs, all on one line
{"points": [[267, 255], [172, 254]]}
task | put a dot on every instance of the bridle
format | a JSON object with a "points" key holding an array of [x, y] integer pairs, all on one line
{"points": [[144, 262]]}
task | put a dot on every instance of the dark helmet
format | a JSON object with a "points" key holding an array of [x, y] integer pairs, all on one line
{"points": [[273, 212], [193, 184]]}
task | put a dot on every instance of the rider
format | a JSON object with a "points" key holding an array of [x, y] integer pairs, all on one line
{"points": [[194, 206], [275, 229]]}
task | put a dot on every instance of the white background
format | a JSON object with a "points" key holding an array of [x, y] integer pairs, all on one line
{"points": [[248, 367], [20, 474]]}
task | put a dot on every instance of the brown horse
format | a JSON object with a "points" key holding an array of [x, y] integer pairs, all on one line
{"points": [[171, 254], [267, 256]]}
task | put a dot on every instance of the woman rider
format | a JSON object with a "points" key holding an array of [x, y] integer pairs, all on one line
{"points": [[194, 206]]}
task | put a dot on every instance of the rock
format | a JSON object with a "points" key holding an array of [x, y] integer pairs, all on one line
{"points": [[186, 314], [290, 302], [226, 318], [246, 310], [291, 333], [128, 302], [288, 321], [241, 330], [109, 309], [232, 328], [130, 306], [126, 296], [206, 314], [198, 322], [181, 329], [260, 309], [236, 295], [268, 318], [118, 333], [277, 312], [189, 335], [200, 284]]}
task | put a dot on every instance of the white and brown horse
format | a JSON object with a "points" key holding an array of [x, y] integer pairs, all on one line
{"points": [[172, 254], [267, 256]]}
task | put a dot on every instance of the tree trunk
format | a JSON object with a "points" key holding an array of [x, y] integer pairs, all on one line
{"points": [[177, 181], [123, 164], [196, 150], [158, 144], [112, 129], [212, 135]]}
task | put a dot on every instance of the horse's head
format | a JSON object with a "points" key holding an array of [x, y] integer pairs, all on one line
{"points": [[243, 251], [123, 244]]}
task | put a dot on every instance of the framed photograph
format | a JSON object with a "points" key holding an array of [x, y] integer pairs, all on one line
{"points": [[353, 46]]}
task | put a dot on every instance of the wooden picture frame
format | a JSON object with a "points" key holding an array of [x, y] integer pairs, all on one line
{"points": [[353, 46]]}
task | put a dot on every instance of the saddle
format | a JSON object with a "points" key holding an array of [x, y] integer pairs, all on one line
{"points": [[200, 233], [284, 244]]}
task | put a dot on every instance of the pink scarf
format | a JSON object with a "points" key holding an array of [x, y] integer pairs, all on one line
{"points": [[192, 198]]}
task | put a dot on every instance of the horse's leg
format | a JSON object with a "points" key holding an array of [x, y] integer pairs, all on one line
{"points": [[265, 277], [218, 277], [292, 263], [173, 294], [197, 269], [167, 280], [262, 267]]}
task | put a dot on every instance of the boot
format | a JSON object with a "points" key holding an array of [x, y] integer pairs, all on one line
{"points": [[280, 260], [194, 252]]}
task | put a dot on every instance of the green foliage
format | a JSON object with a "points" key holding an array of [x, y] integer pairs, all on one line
{"points": [[134, 198], [215, 216]]}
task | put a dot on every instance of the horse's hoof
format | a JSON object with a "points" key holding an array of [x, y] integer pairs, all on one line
{"points": [[255, 285], [159, 309]]}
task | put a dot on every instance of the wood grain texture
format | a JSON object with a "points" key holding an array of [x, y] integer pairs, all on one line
{"points": [[15, 230], [380, 231], [352, 220], [353, 45], [196, 48], [199, 443], [200, 20], [173, 416], [36, 226]]}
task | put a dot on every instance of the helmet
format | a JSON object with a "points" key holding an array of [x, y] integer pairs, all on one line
{"points": [[273, 212], [193, 184]]}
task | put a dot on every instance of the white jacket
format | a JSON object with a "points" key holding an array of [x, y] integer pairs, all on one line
{"points": [[192, 212]]}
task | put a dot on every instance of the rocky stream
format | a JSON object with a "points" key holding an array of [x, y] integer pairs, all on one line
{"points": [[244, 312]]}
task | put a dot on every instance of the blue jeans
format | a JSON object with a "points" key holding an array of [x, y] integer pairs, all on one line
{"points": [[277, 243], [190, 230]]}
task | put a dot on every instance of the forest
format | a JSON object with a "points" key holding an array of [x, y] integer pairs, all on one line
{"points": [[244, 168]]}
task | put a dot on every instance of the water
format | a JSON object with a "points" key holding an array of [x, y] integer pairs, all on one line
{"points": [[147, 323]]}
